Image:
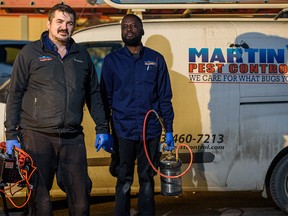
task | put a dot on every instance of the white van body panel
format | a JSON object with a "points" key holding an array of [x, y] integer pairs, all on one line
{"points": [[2, 119], [244, 123]]}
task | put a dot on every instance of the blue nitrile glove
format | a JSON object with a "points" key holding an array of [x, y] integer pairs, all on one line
{"points": [[104, 141], [10, 145], [169, 141], [108, 147]]}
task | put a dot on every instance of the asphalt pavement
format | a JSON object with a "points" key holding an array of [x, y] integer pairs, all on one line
{"points": [[190, 203]]}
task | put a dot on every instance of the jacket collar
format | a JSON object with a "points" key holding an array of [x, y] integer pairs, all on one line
{"points": [[46, 43], [127, 51]]}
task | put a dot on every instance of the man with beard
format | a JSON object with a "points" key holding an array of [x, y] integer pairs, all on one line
{"points": [[52, 79], [136, 80]]}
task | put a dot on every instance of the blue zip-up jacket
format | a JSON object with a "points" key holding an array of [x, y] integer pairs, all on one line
{"points": [[47, 93], [134, 85]]}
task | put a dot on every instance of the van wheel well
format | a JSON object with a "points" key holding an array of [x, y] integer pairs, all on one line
{"points": [[272, 166], [276, 181]]}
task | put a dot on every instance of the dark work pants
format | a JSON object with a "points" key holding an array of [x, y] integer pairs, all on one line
{"points": [[129, 151], [64, 154]]}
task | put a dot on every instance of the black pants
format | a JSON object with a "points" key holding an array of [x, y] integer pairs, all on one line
{"points": [[64, 154], [129, 151]]}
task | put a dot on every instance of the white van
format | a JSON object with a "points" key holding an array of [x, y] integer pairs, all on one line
{"points": [[8, 52], [230, 96]]}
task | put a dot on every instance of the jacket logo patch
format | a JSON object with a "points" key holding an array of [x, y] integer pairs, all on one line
{"points": [[149, 63], [77, 60], [45, 58]]}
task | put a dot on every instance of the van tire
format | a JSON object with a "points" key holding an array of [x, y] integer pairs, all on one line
{"points": [[279, 184]]}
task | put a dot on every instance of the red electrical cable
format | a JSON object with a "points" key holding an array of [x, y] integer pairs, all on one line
{"points": [[177, 149], [26, 175]]}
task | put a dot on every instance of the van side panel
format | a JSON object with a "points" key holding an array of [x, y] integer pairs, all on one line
{"points": [[229, 94]]}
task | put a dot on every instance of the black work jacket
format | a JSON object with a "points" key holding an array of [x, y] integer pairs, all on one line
{"points": [[47, 93]]}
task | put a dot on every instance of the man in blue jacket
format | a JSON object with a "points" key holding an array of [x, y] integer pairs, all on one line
{"points": [[52, 78], [136, 80]]}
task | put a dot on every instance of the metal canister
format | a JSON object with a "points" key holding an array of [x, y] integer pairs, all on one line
{"points": [[169, 166]]}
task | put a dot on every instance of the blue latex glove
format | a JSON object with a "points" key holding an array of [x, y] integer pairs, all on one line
{"points": [[104, 141], [169, 141], [109, 145], [10, 146]]}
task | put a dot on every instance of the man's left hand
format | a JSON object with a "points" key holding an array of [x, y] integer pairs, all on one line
{"points": [[169, 141], [104, 141]]}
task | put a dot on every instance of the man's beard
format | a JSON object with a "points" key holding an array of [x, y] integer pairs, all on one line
{"points": [[60, 39], [136, 41]]}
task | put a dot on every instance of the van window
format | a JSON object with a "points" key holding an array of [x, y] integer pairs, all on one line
{"points": [[8, 52], [99, 50]]}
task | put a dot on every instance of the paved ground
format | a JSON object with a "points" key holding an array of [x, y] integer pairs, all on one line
{"points": [[199, 204]]}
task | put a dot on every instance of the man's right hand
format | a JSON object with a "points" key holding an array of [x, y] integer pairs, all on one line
{"points": [[10, 146]]}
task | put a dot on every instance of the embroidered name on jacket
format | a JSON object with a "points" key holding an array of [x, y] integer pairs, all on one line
{"points": [[149, 63], [77, 60], [45, 58]]}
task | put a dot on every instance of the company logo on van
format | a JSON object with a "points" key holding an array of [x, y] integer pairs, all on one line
{"points": [[238, 63]]}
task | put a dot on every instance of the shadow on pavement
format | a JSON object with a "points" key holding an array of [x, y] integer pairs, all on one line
{"points": [[190, 203]]}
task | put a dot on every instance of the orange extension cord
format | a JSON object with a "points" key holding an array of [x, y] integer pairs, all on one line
{"points": [[23, 157], [177, 149]]}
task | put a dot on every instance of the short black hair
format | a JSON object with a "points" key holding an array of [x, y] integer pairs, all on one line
{"points": [[61, 7], [135, 17]]}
